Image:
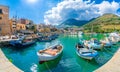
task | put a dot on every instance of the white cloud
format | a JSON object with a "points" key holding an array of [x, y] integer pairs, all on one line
{"points": [[31, 1], [107, 7], [79, 9]]}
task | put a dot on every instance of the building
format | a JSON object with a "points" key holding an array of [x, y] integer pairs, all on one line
{"points": [[13, 25], [4, 20], [20, 26], [40, 27], [22, 21], [45, 28], [29, 23], [16, 25], [25, 21]]}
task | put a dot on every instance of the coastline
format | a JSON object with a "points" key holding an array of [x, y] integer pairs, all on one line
{"points": [[6, 65], [112, 65]]}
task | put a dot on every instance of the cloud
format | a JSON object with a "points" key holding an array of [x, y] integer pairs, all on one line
{"points": [[79, 9]]}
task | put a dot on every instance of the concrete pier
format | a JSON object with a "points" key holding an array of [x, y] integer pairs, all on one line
{"points": [[6, 65], [112, 65]]}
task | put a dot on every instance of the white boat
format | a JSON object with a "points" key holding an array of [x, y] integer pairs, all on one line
{"points": [[86, 53], [8, 38], [106, 42], [93, 44], [80, 33], [50, 53], [22, 43], [114, 37]]}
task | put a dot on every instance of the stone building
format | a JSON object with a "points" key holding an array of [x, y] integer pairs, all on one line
{"points": [[20, 27], [13, 25], [4, 20]]}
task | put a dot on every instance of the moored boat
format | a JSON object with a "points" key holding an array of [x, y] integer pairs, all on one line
{"points": [[44, 39], [85, 53], [114, 37], [106, 42], [95, 44], [50, 53], [22, 43]]}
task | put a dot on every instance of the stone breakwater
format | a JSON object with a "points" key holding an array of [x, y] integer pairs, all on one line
{"points": [[6, 65], [112, 65]]}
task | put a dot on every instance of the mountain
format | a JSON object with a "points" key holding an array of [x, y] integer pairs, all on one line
{"points": [[104, 23], [73, 22]]}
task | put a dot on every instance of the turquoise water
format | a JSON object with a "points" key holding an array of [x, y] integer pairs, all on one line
{"points": [[27, 59]]}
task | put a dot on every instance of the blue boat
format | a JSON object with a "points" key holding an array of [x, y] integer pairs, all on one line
{"points": [[22, 43], [85, 53], [44, 39], [48, 38], [54, 36]]}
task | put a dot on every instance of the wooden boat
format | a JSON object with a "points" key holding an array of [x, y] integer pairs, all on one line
{"points": [[50, 53], [106, 42], [113, 40], [22, 43], [85, 53], [93, 44], [114, 37], [80, 33], [44, 39]]}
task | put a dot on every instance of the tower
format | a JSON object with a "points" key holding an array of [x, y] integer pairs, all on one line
{"points": [[4, 20]]}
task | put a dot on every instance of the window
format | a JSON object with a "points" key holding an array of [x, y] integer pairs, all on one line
{"points": [[1, 11], [0, 29], [0, 18]]}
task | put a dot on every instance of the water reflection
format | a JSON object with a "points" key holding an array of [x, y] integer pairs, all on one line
{"points": [[86, 65]]}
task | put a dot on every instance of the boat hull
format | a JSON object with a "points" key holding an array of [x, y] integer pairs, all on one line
{"points": [[87, 56], [19, 44], [97, 47], [47, 57]]}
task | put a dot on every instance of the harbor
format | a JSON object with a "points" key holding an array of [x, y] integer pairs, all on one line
{"points": [[68, 57], [59, 36]]}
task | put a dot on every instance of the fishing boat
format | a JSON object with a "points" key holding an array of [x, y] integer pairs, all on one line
{"points": [[50, 53], [80, 33], [45, 39], [114, 37], [113, 40], [22, 43], [106, 42], [8, 38], [85, 53], [53, 37], [94, 44]]}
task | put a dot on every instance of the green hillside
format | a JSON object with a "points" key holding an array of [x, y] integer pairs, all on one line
{"points": [[102, 24]]}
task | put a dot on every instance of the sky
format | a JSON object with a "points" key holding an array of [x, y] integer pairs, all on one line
{"points": [[56, 11]]}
